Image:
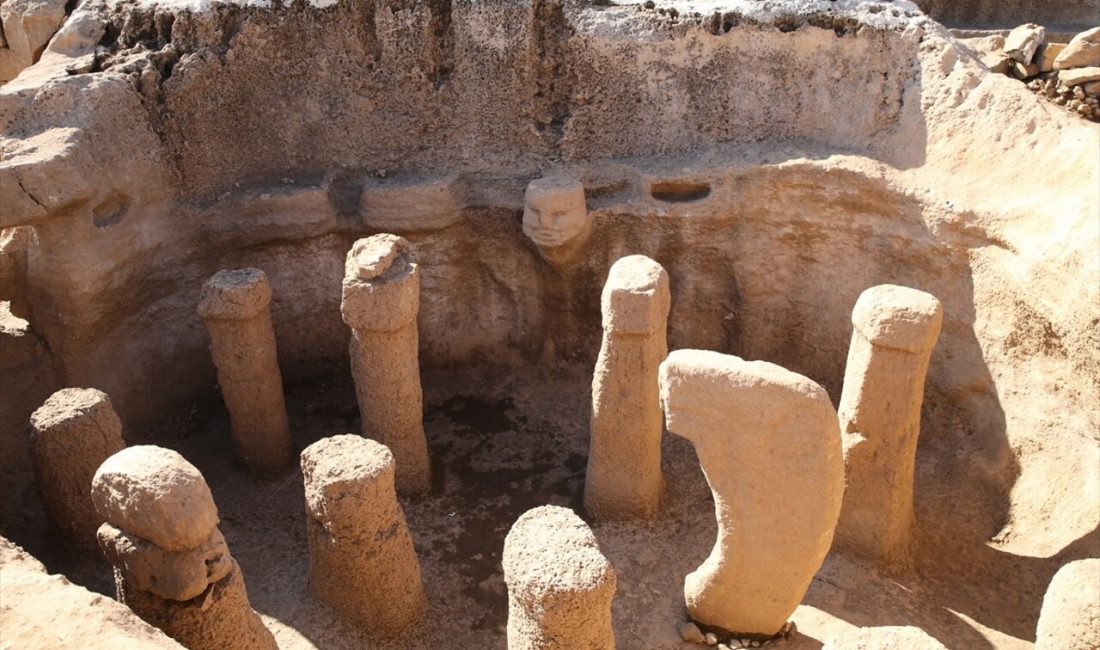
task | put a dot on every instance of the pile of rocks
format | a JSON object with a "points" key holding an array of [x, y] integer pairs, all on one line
{"points": [[1066, 73], [690, 633]]}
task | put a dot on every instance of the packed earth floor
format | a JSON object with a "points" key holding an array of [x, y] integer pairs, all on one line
{"points": [[505, 440]]}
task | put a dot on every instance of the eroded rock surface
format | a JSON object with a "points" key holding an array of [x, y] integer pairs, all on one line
{"points": [[769, 444], [560, 585]]}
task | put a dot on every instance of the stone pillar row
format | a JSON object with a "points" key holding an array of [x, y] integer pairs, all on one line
{"points": [[774, 451]]}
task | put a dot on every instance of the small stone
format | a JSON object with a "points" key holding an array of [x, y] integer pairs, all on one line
{"points": [[1022, 42], [1024, 71], [723, 646], [691, 633], [756, 644], [1092, 88], [1079, 76], [712, 639], [745, 643], [793, 629], [998, 63], [1073, 104], [1084, 110], [1078, 92], [1082, 51]]}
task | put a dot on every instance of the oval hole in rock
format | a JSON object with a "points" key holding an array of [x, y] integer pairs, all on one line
{"points": [[110, 211], [679, 191]]}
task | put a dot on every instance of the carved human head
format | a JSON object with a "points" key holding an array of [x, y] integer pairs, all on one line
{"points": [[555, 217]]}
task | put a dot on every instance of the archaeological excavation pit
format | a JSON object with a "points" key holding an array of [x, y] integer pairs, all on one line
{"points": [[547, 325]]}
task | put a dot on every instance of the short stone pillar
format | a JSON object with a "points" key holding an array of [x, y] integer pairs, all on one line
{"points": [[236, 308], [74, 431], [894, 331], [381, 298], [624, 454], [172, 566], [560, 585], [1070, 617], [361, 557], [769, 444]]}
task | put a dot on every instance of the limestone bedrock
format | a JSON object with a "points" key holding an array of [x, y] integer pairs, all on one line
{"points": [[71, 434], [156, 494], [769, 444], [380, 302], [1070, 618], [361, 555], [624, 459], [560, 585], [894, 329]]}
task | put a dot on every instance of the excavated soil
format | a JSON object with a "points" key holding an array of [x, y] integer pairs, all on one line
{"points": [[504, 440]]}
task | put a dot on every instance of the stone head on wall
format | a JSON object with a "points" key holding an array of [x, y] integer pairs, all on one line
{"points": [[555, 218]]}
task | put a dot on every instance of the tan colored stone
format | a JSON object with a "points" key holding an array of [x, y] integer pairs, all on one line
{"points": [[175, 575], [1070, 617], [624, 457], [235, 307], [894, 331], [156, 494], [1021, 71], [362, 561], [1022, 42], [416, 206], [560, 586], [380, 302], [47, 612], [769, 444], [1092, 88], [1078, 76], [71, 435], [1047, 53], [219, 619], [1083, 51], [877, 638], [556, 218], [28, 26]]}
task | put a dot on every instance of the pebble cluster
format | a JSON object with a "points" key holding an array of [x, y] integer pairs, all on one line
{"points": [[691, 633]]}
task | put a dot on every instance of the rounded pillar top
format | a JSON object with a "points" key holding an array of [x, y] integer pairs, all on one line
{"points": [[74, 406], [155, 494], [381, 288], [550, 551], [235, 294], [348, 479], [898, 318], [636, 296]]}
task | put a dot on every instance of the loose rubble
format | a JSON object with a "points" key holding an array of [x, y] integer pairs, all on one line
{"points": [[1064, 73]]}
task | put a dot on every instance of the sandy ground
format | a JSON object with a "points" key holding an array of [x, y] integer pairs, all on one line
{"points": [[504, 441]]}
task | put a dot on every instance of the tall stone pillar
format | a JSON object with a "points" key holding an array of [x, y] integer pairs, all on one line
{"points": [[381, 298], [624, 456], [361, 557], [236, 308], [560, 585], [172, 566], [894, 331], [769, 444], [72, 433]]}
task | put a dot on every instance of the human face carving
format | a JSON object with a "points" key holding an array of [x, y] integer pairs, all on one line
{"points": [[555, 218]]}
